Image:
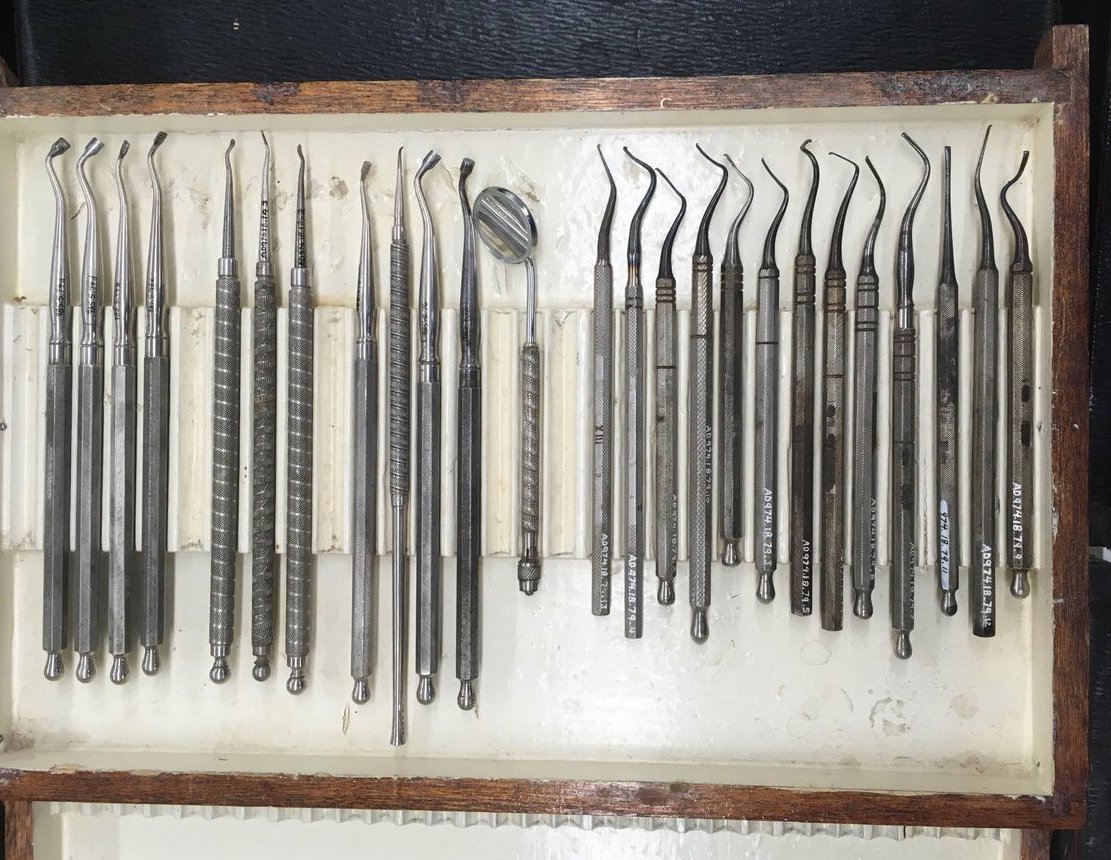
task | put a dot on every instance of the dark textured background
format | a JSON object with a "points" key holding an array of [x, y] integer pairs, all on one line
{"points": [[86, 42]]}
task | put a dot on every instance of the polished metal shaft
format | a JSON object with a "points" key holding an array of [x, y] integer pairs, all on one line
{"points": [[365, 457], [429, 579], [803, 345], [299, 451], [700, 439], [831, 590], [667, 414], [947, 351], [1020, 414], [90, 436], [731, 389], [469, 463], [225, 442], [400, 394], [636, 418], [264, 439], [602, 479], [765, 472], [985, 302], [865, 368], [121, 490], [56, 473], [156, 434], [904, 431]]}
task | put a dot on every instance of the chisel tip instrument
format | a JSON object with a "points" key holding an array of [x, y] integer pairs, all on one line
{"points": [[985, 301], [299, 448], [156, 433], [947, 347], [1020, 434], [429, 449], [766, 406], [121, 489], [636, 456], [700, 437], [602, 531], [469, 468], [225, 441], [365, 456], [263, 437], [863, 529], [904, 398], [667, 413], [90, 435], [731, 381], [56, 475]]}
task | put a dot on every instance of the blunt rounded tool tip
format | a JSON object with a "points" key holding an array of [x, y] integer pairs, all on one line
{"points": [[665, 593], [731, 555], [902, 645], [161, 136], [261, 671], [219, 671], [124, 147], [700, 626], [58, 147], [119, 671], [364, 172], [93, 146], [360, 693], [231, 146], [426, 690], [862, 604], [150, 660], [528, 575], [296, 683], [466, 167], [1020, 584], [53, 670], [466, 695], [949, 603], [765, 588], [85, 668]]}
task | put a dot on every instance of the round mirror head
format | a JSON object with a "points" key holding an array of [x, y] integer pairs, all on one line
{"points": [[505, 225]]}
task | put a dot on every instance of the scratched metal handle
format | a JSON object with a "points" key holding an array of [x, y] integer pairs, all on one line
{"points": [[731, 457], [156, 469], [90, 410], [529, 571], [299, 473], [225, 463], [667, 441], [366, 515], [602, 547], [264, 446], [55, 596], [982, 578], [863, 530], [700, 439], [121, 534], [802, 439], [429, 584], [1021, 431], [469, 525], [903, 479], [767, 388], [636, 457], [948, 398], [832, 584]]}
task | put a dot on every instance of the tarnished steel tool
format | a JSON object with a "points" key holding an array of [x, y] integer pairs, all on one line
{"points": [[602, 481]]}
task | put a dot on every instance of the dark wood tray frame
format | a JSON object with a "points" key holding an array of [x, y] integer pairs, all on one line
{"points": [[1059, 77]]}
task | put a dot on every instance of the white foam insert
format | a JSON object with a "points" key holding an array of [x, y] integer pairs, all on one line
{"points": [[770, 699]]}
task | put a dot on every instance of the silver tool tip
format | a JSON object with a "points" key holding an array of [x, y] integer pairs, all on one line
{"points": [[949, 603], [227, 153], [150, 660], [300, 154], [365, 172], [466, 695], [466, 167], [93, 146], [296, 682], [261, 671], [528, 575], [124, 147], [1020, 584], [58, 147], [158, 140], [665, 592], [765, 588], [219, 671], [85, 668], [862, 605], [54, 668], [731, 556], [119, 670], [426, 690], [429, 161], [700, 626], [902, 645], [360, 693]]}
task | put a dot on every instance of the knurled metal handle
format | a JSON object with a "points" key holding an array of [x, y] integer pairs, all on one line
{"points": [[700, 483], [299, 449], [530, 449], [401, 349], [601, 555], [56, 487], [1021, 430], [156, 494], [984, 460], [264, 448]]}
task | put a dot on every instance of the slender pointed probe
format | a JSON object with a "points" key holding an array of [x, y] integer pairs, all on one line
{"points": [[700, 450], [766, 405], [667, 414], [947, 349], [1020, 418]]}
